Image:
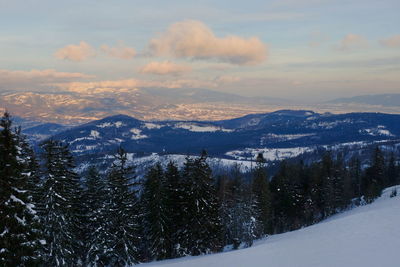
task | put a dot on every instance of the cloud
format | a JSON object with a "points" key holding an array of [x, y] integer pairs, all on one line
{"points": [[77, 53], [165, 68], [194, 40], [226, 79], [36, 80], [351, 42], [393, 41], [120, 51]]}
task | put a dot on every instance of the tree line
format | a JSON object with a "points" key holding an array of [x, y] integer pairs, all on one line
{"points": [[51, 216]]}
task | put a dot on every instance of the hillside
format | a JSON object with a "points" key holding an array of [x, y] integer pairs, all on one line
{"points": [[365, 236]]}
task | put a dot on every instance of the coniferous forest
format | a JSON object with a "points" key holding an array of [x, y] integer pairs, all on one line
{"points": [[52, 216]]}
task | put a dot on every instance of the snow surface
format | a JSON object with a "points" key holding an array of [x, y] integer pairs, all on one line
{"points": [[366, 236], [270, 154], [151, 126], [200, 128], [378, 131], [116, 124], [137, 134]]}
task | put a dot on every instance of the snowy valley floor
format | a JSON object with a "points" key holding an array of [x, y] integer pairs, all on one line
{"points": [[365, 236]]}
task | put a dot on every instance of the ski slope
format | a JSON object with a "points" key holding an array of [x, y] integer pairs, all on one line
{"points": [[365, 236]]}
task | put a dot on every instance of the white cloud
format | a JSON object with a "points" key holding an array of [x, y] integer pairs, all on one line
{"points": [[165, 68], [194, 40], [36, 80], [77, 53], [119, 51], [393, 41], [352, 42]]}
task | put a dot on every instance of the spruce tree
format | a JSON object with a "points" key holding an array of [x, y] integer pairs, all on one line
{"points": [[94, 199], [175, 192], [120, 234], [60, 210], [262, 196], [155, 204], [201, 231], [391, 171], [374, 178], [240, 222], [19, 235]]}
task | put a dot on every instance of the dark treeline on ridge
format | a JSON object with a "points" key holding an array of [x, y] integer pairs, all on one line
{"points": [[51, 216]]}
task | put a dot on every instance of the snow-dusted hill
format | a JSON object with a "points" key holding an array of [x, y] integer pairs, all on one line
{"points": [[365, 236]]}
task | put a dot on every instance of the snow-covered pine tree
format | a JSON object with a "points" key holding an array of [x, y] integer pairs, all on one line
{"points": [[374, 178], [94, 199], [120, 234], [201, 231], [19, 236], [175, 192], [240, 224], [155, 204], [60, 209], [392, 171], [262, 196]]}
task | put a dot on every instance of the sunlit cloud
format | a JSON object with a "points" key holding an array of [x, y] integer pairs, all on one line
{"points": [[393, 41], [77, 53], [119, 51], [194, 40], [36, 80], [352, 42], [164, 68]]}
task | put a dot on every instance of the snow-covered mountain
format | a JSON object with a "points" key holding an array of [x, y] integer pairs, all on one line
{"points": [[77, 105], [366, 236], [278, 135]]}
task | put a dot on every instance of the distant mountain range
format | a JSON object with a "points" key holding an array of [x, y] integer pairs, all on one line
{"points": [[386, 100], [76, 107], [278, 135]]}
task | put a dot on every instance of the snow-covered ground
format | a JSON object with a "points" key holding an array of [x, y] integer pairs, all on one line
{"points": [[362, 237]]}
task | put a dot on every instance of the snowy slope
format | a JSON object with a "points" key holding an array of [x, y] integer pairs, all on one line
{"points": [[365, 236]]}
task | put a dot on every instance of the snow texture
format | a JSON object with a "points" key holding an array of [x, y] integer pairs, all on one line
{"points": [[367, 236], [200, 128]]}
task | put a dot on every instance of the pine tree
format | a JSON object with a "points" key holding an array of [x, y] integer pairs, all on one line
{"points": [[174, 213], [94, 199], [60, 211], [201, 231], [391, 171], [262, 196], [157, 224], [120, 234], [374, 178], [19, 236], [240, 222]]}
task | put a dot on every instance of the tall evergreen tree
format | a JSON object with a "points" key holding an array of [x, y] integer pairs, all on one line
{"points": [[94, 200], [392, 171], [120, 234], [240, 222], [262, 196], [19, 237], [201, 231], [374, 178], [157, 224], [175, 192], [60, 210]]}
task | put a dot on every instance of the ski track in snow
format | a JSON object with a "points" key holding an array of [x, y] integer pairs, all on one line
{"points": [[366, 236]]}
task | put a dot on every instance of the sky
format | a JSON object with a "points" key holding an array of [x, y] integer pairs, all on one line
{"points": [[296, 49]]}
